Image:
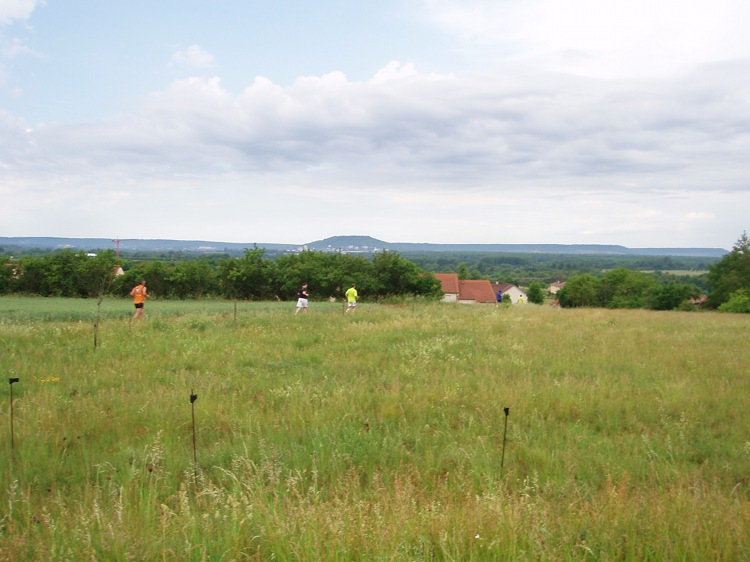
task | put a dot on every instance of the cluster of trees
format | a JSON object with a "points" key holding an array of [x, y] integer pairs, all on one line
{"points": [[524, 269], [625, 288], [78, 274], [728, 280], [63, 273]]}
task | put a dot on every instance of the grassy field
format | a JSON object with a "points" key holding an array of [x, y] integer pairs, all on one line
{"points": [[374, 436]]}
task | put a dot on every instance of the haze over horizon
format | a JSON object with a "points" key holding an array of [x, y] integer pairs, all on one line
{"points": [[437, 121], [355, 242]]}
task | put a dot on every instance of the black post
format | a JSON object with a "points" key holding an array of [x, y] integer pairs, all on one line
{"points": [[12, 440], [505, 432], [96, 321], [193, 398]]}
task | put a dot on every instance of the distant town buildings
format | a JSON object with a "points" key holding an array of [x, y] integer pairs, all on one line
{"points": [[347, 249]]}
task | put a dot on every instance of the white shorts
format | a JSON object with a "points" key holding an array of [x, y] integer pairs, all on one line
{"points": [[351, 304], [301, 303]]}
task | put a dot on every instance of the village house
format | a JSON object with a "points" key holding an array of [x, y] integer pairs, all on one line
{"points": [[470, 291], [465, 291], [555, 287], [15, 270], [510, 291], [698, 301], [449, 282]]}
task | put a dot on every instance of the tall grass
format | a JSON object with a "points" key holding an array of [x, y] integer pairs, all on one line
{"points": [[373, 436]]}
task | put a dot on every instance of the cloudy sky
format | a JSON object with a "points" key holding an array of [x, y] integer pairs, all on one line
{"points": [[444, 121]]}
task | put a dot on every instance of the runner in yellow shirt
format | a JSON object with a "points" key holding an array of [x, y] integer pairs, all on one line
{"points": [[351, 298]]}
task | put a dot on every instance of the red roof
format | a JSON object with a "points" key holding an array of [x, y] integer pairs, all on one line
{"points": [[477, 290], [449, 282], [502, 287]]}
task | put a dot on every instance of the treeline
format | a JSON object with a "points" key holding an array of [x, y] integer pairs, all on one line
{"points": [[258, 276], [625, 288], [67, 273], [521, 269], [728, 281]]}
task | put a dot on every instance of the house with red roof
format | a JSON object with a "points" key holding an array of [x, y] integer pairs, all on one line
{"points": [[449, 282], [703, 299], [555, 287], [475, 290], [467, 291]]}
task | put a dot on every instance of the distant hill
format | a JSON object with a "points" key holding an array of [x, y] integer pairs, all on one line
{"points": [[347, 244], [364, 243], [135, 245]]}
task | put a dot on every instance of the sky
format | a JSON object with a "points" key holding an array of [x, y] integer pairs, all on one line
{"points": [[439, 121]]}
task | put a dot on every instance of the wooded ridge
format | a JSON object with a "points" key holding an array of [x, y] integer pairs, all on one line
{"points": [[347, 244]]}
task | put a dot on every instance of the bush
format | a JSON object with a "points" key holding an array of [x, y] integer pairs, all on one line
{"points": [[536, 292], [581, 290], [739, 301]]}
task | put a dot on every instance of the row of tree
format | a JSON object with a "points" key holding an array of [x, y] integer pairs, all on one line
{"points": [[256, 277], [524, 269], [728, 280], [77, 274]]}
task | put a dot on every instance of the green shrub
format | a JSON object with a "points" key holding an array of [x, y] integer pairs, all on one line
{"points": [[739, 301]]}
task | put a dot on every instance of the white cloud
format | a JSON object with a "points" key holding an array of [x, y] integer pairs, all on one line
{"points": [[12, 47], [193, 57], [394, 70], [699, 216], [434, 134], [613, 38], [11, 10]]}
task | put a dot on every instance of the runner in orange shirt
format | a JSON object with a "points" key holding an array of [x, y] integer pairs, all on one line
{"points": [[139, 295]]}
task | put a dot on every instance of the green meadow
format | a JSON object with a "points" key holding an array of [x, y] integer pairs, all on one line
{"points": [[215, 430]]}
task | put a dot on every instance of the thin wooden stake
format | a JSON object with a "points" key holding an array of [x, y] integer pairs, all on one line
{"points": [[193, 398], [12, 439], [505, 432]]}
